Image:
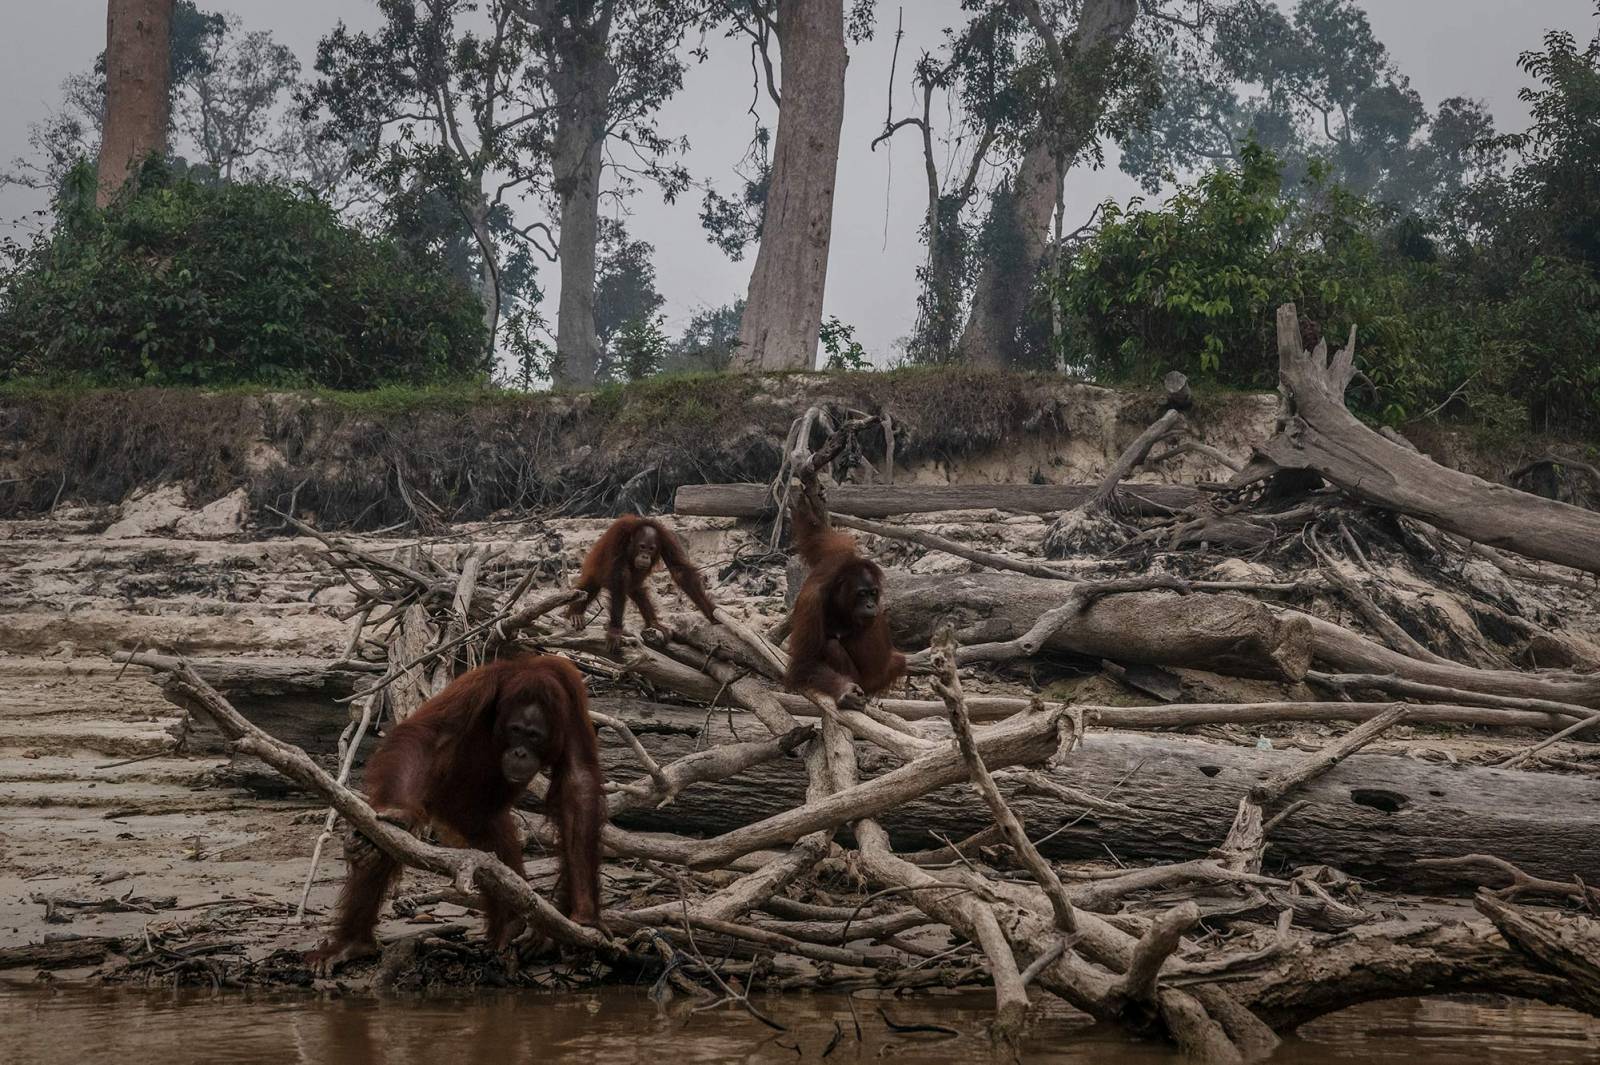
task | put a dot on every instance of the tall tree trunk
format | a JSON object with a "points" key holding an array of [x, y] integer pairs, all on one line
{"points": [[1006, 280], [784, 308], [488, 266], [582, 90], [138, 74]]}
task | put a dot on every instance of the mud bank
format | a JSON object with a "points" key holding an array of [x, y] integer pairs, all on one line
{"points": [[354, 463]]}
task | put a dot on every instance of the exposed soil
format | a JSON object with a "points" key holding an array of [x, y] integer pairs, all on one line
{"points": [[464, 459]]}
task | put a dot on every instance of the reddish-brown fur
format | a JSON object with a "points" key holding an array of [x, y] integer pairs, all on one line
{"points": [[613, 565], [443, 766], [832, 650]]}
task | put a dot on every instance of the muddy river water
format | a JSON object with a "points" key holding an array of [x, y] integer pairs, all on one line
{"points": [[80, 1027]]}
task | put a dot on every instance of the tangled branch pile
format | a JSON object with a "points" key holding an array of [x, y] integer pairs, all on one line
{"points": [[765, 840]]}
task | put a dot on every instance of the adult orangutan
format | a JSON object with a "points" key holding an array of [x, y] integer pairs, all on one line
{"points": [[459, 763]]}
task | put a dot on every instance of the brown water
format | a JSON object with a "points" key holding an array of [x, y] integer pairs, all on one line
{"points": [[625, 1028]]}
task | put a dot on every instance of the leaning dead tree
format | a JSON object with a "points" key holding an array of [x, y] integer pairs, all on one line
{"points": [[1318, 433], [955, 833]]}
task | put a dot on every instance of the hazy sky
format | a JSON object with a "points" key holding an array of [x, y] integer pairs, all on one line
{"points": [[1447, 47]]}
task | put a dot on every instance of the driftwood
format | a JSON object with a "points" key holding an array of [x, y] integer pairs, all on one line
{"points": [[1338, 649], [1222, 633], [884, 501], [1219, 633], [266, 677], [1320, 434], [1175, 798], [59, 953], [766, 825], [1328, 973]]}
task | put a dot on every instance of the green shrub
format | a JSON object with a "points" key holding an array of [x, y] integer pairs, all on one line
{"points": [[228, 283], [1193, 286], [1190, 285], [840, 349]]}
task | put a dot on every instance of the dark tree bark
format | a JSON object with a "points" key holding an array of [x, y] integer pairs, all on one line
{"points": [[584, 80], [1173, 799], [1217, 633], [138, 75], [783, 310]]}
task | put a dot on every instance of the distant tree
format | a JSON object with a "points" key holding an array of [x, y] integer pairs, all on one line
{"points": [[228, 105], [625, 302], [1315, 83], [1034, 85], [735, 224], [708, 341], [450, 104], [1090, 65], [138, 65], [1555, 186], [66, 136], [640, 349], [611, 65], [231, 115], [487, 104], [975, 70], [625, 290]]}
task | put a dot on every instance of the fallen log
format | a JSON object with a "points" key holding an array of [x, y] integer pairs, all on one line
{"points": [[1340, 650], [1373, 815], [59, 953], [1184, 715], [260, 677], [1221, 633], [888, 500], [1401, 960], [1319, 434], [1218, 633]]}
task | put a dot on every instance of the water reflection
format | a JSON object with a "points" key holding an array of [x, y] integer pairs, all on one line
{"points": [[620, 1027]]}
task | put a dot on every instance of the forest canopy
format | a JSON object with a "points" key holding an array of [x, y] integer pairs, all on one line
{"points": [[453, 159]]}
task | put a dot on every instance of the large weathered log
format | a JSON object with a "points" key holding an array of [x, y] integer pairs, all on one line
{"points": [[1341, 650], [270, 676], [291, 697], [887, 500], [1320, 434], [1373, 815], [1398, 961], [1221, 633]]}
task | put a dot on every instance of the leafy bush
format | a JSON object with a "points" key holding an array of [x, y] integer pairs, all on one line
{"points": [[1191, 283], [1466, 331], [840, 349], [208, 284], [641, 348]]}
